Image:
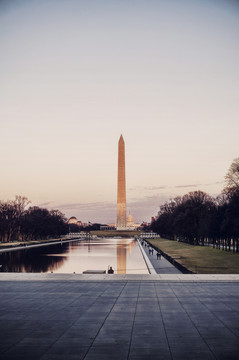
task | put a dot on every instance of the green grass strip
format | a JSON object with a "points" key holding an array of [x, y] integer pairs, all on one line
{"points": [[199, 259]]}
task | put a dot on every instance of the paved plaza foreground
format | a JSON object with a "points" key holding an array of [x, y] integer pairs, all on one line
{"points": [[94, 317]]}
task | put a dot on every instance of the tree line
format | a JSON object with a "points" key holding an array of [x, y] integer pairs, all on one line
{"points": [[19, 222], [198, 218], [74, 228]]}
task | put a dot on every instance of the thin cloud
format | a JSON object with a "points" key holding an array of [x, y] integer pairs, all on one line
{"points": [[215, 183], [88, 206], [142, 208], [164, 187], [46, 204], [197, 185], [187, 186], [105, 212], [146, 188]]}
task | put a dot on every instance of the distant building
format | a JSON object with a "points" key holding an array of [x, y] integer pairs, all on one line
{"points": [[130, 222], [108, 227], [72, 220], [149, 235]]}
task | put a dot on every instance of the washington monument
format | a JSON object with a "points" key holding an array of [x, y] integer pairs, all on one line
{"points": [[121, 190]]}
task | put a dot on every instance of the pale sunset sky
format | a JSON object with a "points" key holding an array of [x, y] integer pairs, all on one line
{"points": [[75, 74]]}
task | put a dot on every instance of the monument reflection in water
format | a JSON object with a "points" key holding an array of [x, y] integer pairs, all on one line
{"points": [[124, 255]]}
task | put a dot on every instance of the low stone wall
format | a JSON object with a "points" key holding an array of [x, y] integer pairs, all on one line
{"points": [[26, 245]]}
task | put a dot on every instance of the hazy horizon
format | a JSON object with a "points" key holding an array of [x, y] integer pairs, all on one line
{"points": [[76, 74]]}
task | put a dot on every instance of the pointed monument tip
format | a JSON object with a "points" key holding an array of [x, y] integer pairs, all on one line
{"points": [[121, 137]]}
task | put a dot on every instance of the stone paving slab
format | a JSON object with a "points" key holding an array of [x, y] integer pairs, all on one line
{"points": [[62, 316], [119, 277]]}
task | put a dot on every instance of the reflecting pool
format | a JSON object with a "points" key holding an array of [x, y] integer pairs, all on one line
{"points": [[124, 255]]}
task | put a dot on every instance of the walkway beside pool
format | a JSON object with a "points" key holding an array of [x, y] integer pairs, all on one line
{"points": [[157, 265], [92, 317]]}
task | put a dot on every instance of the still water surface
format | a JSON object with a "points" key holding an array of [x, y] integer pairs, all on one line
{"points": [[124, 255]]}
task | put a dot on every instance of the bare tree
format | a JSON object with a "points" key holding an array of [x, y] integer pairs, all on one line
{"points": [[8, 217], [20, 204], [232, 177], [11, 214]]}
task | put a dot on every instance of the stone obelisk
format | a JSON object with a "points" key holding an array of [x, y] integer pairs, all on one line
{"points": [[121, 191]]}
